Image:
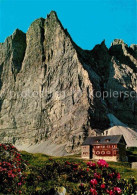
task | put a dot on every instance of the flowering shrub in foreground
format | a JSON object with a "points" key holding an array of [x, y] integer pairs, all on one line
{"points": [[99, 178], [11, 169], [78, 178], [105, 180]]}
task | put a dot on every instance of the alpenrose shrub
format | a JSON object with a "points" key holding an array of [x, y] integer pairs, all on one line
{"points": [[105, 180], [99, 179], [12, 168], [78, 178]]}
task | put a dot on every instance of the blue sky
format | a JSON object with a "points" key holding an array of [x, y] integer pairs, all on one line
{"points": [[88, 21]]}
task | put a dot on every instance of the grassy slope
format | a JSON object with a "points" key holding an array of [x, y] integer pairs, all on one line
{"points": [[40, 160]]}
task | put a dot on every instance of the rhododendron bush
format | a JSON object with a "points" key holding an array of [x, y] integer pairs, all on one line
{"points": [[12, 167], [77, 176], [100, 179]]}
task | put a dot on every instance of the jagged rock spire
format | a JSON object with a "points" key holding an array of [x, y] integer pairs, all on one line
{"points": [[48, 87]]}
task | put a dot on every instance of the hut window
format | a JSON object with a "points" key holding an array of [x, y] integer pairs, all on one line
{"points": [[107, 140], [97, 146], [85, 153], [103, 152], [97, 153], [103, 146], [108, 152]]}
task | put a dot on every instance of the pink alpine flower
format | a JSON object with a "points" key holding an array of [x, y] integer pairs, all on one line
{"points": [[118, 190], [103, 186], [118, 176], [19, 184], [110, 192], [91, 165], [97, 175], [93, 191], [102, 163], [94, 182]]}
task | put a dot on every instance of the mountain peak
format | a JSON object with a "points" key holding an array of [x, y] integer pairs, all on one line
{"points": [[53, 14], [118, 42], [17, 33]]}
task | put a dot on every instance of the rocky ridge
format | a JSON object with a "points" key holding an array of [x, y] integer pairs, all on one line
{"points": [[52, 91]]}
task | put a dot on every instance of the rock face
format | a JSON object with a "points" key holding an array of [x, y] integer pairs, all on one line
{"points": [[52, 91]]}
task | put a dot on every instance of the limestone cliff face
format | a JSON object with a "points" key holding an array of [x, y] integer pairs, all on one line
{"points": [[49, 86]]}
